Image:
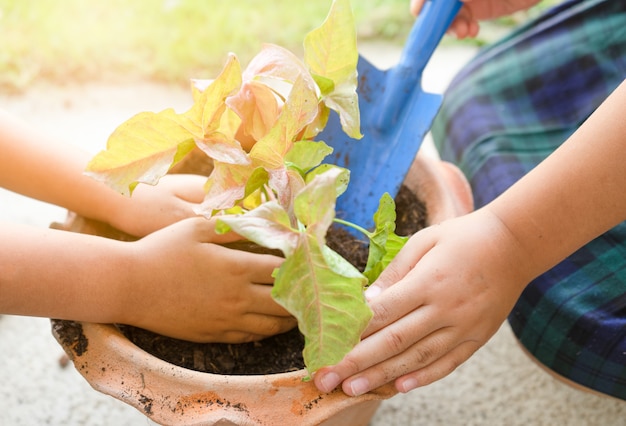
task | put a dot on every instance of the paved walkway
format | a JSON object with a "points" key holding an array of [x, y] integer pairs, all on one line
{"points": [[498, 386]]}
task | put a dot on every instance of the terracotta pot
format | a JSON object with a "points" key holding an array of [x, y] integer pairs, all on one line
{"points": [[173, 395]]}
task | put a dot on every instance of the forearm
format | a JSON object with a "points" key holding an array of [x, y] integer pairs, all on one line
{"points": [[40, 167], [574, 195], [60, 274]]}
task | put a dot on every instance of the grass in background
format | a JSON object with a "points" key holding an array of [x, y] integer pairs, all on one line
{"points": [[74, 41]]}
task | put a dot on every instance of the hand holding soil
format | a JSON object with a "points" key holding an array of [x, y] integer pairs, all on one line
{"points": [[235, 307]]}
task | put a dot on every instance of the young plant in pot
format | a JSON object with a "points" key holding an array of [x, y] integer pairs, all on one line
{"points": [[269, 184]]}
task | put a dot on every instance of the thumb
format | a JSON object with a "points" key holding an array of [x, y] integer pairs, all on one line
{"points": [[189, 188]]}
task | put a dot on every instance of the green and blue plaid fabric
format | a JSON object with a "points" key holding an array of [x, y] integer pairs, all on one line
{"points": [[508, 109]]}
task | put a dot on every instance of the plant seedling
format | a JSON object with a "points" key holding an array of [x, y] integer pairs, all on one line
{"points": [[269, 183]]}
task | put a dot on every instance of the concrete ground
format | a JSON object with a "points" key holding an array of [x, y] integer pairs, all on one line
{"points": [[498, 386]]}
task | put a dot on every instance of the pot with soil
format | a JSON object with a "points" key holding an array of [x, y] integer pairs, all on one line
{"points": [[257, 128], [183, 383]]}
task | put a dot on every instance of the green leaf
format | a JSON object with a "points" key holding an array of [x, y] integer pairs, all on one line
{"points": [[392, 247], [314, 206], [307, 154], [285, 184], [267, 225], [299, 110], [211, 122], [326, 85], [330, 307], [331, 54], [141, 150], [258, 108], [384, 243], [225, 186], [257, 179], [319, 287], [331, 49], [204, 116], [146, 146], [345, 102], [318, 124], [341, 184], [277, 68]]}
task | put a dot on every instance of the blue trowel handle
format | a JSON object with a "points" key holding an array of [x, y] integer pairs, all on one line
{"points": [[428, 29], [430, 26]]}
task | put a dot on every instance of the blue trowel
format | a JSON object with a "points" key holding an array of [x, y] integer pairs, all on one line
{"points": [[396, 114]]}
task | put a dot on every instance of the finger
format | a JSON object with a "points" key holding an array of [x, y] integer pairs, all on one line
{"points": [[187, 187], [261, 268], [419, 355], [391, 306], [257, 268], [383, 345], [201, 229], [257, 327], [458, 28], [264, 326], [474, 28], [237, 336], [263, 303], [387, 339], [462, 24], [416, 7], [407, 297], [438, 369]]}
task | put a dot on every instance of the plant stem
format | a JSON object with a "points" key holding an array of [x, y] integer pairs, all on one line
{"points": [[353, 226]]}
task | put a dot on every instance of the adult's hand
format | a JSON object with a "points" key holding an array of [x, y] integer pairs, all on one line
{"points": [[466, 23]]}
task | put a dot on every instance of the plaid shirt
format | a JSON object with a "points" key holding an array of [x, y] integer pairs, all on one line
{"points": [[508, 109]]}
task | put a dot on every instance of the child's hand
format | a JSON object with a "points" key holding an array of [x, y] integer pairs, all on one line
{"points": [[466, 22], [184, 285], [154, 207], [446, 293]]}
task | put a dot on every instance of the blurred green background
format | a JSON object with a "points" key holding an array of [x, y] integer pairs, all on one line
{"points": [[76, 41]]}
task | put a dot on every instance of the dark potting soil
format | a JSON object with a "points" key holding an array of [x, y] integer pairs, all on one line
{"points": [[283, 352]]}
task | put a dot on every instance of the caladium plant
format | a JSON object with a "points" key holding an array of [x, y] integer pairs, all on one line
{"points": [[269, 183]]}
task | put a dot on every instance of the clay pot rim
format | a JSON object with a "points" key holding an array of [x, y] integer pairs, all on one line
{"points": [[114, 365], [110, 337]]}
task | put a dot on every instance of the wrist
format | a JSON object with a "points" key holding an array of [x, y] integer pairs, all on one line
{"points": [[508, 251], [107, 272]]}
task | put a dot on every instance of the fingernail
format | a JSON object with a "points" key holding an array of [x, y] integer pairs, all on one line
{"points": [[408, 385], [359, 386], [372, 291], [329, 382]]}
